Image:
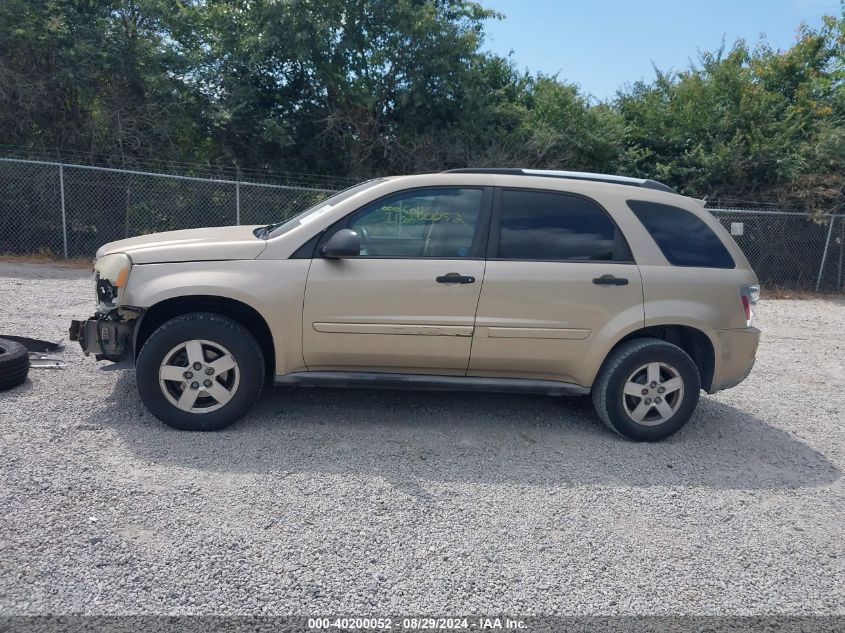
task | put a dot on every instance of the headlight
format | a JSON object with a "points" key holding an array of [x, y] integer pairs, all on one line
{"points": [[111, 273]]}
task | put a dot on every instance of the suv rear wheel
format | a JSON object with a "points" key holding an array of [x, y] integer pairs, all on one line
{"points": [[200, 372], [647, 389]]}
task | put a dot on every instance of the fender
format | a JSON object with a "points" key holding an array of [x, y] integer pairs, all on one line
{"points": [[275, 289]]}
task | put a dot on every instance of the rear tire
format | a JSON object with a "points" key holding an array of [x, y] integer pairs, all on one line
{"points": [[647, 389], [200, 372], [14, 364]]}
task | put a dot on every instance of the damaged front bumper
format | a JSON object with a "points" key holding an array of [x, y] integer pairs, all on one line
{"points": [[107, 336]]}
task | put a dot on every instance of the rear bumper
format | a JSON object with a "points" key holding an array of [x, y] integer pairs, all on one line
{"points": [[104, 336], [734, 357]]}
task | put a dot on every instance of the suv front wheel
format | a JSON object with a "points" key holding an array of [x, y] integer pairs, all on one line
{"points": [[200, 372], [647, 389]]}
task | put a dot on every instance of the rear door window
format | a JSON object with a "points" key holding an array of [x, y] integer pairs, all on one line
{"points": [[547, 225], [684, 238]]}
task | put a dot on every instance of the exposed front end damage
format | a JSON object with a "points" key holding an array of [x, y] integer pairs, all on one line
{"points": [[107, 336]]}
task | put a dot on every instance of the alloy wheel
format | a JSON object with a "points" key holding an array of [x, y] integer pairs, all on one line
{"points": [[653, 393], [199, 376]]}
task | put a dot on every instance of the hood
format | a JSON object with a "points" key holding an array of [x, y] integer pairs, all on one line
{"points": [[188, 245]]}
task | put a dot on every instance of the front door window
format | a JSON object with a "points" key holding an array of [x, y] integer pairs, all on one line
{"points": [[437, 222]]}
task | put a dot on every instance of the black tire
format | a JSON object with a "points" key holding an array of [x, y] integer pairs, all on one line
{"points": [[14, 364], [609, 398], [217, 329]]}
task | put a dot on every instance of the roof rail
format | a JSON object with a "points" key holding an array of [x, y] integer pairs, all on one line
{"points": [[573, 175]]}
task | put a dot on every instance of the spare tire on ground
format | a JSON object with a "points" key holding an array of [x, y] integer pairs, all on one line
{"points": [[14, 364]]}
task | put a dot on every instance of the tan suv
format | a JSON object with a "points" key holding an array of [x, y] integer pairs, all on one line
{"points": [[513, 280]]}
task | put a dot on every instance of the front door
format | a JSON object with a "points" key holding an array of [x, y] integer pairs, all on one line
{"points": [[560, 280], [407, 303]]}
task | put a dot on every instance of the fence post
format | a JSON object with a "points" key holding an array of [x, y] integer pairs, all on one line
{"points": [[62, 195], [238, 203], [841, 253], [824, 255], [128, 206]]}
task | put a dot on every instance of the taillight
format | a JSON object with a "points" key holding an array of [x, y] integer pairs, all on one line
{"points": [[746, 305], [749, 295]]}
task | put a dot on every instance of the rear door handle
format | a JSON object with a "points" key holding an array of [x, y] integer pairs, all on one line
{"points": [[455, 278], [610, 280]]}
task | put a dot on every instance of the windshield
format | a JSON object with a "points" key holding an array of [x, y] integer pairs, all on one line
{"points": [[312, 213]]}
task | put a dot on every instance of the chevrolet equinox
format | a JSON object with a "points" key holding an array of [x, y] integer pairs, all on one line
{"points": [[512, 280]]}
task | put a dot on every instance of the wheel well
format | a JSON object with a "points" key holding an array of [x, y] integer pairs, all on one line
{"points": [[232, 308], [694, 342]]}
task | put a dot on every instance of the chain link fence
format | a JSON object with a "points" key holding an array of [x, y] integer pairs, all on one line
{"points": [[791, 251], [67, 211]]}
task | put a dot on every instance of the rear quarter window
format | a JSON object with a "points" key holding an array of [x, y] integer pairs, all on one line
{"points": [[684, 238]]}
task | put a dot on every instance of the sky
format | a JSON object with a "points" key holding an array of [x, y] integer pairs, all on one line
{"points": [[603, 44]]}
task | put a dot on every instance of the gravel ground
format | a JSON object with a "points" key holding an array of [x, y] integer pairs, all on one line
{"points": [[356, 502]]}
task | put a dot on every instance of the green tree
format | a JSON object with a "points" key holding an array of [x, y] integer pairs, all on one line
{"points": [[355, 88], [332, 86], [744, 122], [94, 77]]}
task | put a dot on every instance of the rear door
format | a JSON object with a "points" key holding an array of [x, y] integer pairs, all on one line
{"points": [[560, 282], [407, 303]]}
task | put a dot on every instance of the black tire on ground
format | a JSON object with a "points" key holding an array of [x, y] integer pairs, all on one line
{"points": [[608, 389], [207, 326], [14, 364]]}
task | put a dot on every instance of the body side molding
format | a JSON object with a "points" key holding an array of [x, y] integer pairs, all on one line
{"points": [[430, 382]]}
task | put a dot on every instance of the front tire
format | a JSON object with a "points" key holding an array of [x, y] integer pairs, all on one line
{"points": [[647, 389], [200, 372]]}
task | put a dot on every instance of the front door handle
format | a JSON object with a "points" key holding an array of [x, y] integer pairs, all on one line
{"points": [[610, 280], [455, 278]]}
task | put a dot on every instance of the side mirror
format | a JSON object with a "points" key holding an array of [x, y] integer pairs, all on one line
{"points": [[344, 243]]}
